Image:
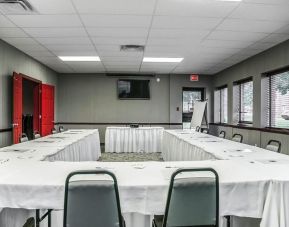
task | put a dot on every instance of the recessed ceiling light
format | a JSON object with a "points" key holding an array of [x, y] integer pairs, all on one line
{"points": [[79, 58], [230, 0], [162, 60]]}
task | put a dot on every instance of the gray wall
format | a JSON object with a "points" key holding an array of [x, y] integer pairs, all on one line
{"points": [[11, 60], [272, 59], [93, 98]]}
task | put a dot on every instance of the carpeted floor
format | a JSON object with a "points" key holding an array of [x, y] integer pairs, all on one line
{"points": [[130, 157]]}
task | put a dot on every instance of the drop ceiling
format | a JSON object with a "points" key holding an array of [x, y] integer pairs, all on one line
{"points": [[210, 35]]}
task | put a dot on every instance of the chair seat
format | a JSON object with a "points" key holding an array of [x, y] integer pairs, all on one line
{"points": [[158, 220]]}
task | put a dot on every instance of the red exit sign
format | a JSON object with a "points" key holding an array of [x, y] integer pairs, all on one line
{"points": [[194, 77]]}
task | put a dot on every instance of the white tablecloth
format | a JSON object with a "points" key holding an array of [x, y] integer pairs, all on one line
{"points": [[71, 145], [143, 186], [126, 139], [181, 145]]}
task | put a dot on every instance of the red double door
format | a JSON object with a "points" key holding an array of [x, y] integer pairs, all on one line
{"points": [[43, 111]]}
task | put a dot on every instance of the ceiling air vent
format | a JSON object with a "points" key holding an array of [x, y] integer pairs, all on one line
{"points": [[16, 7], [132, 48]]}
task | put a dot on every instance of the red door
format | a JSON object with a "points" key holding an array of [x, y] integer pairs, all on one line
{"points": [[17, 107], [47, 109]]}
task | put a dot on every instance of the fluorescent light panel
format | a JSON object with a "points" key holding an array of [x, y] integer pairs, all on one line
{"points": [[162, 60], [79, 58], [230, 0]]}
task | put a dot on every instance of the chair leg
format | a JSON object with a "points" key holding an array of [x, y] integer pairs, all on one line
{"points": [[37, 219], [228, 218]]}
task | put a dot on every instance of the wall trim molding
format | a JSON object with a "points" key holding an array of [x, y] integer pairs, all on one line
{"points": [[113, 123], [6, 130], [270, 130]]}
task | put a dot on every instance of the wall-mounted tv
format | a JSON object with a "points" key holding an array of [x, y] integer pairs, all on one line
{"points": [[133, 89]]}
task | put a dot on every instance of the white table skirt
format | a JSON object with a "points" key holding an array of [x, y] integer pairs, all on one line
{"points": [[143, 186], [126, 139], [72, 145]]}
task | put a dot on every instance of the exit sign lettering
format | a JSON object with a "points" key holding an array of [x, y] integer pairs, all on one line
{"points": [[194, 77]]}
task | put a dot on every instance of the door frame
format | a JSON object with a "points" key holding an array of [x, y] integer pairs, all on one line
{"points": [[38, 83], [201, 89]]}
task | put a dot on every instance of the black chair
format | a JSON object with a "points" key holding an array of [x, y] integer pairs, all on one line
{"points": [[222, 134], [274, 145], [93, 202], [192, 201], [237, 138], [23, 138], [205, 130], [36, 135], [61, 129]]}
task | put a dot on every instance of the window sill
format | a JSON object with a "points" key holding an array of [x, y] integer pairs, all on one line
{"points": [[250, 127]]}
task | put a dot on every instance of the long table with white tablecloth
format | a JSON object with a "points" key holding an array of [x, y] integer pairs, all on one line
{"points": [[179, 145], [253, 181], [127, 139], [71, 145]]}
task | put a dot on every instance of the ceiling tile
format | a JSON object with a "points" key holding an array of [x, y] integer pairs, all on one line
{"points": [[53, 6], [44, 21], [118, 41], [12, 32], [20, 41], [204, 8], [262, 12], [56, 32], [250, 25], [241, 36], [275, 38], [65, 41], [185, 22], [226, 43], [116, 20], [5, 23], [118, 32], [142, 7], [178, 33], [69, 48]]}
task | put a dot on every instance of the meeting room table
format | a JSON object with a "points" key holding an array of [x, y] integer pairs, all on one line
{"points": [[253, 182], [128, 139]]}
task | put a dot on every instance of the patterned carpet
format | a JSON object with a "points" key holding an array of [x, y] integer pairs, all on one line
{"points": [[130, 157]]}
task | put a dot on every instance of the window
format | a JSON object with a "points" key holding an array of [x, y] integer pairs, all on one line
{"points": [[243, 101], [221, 105], [278, 100]]}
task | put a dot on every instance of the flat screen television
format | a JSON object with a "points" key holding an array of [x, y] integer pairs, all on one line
{"points": [[133, 89]]}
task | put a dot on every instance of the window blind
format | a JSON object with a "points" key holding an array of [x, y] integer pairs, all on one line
{"points": [[221, 105], [278, 100], [243, 102]]}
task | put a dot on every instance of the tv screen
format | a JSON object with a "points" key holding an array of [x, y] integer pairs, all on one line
{"points": [[133, 89]]}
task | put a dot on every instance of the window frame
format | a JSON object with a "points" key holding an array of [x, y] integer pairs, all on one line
{"points": [[239, 83], [220, 102], [269, 75]]}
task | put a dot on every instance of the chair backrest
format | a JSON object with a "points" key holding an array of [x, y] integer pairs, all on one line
{"points": [[205, 130], [197, 129], [222, 134], [61, 129], [92, 203], [23, 138], [274, 145], [237, 138], [193, 201], [36, 135], [54, 131]]}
